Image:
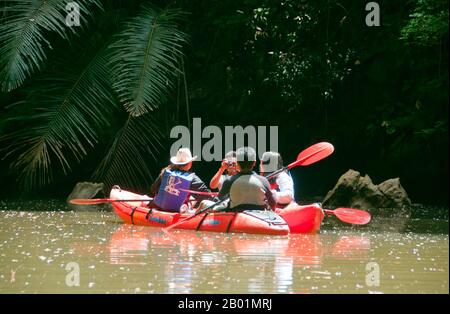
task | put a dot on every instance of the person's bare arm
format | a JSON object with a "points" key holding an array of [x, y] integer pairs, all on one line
{"points": [[214, 183]]}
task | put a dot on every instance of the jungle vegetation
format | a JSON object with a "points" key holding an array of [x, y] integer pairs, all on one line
{"points": [[97, 101]]}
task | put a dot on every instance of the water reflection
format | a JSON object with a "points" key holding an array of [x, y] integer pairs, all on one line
{"points": [[187, 258], [36, 247], [350, 247], [128, 247]]}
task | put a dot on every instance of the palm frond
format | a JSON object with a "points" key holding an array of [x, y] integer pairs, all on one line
{"points": [[59, 121], [24, 26], [145, 59], [134, 146]]}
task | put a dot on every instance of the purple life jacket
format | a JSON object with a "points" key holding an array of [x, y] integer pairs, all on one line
{"points": [[169, 197]]}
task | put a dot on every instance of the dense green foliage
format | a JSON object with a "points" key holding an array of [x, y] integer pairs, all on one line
{"points": [[314, 68], [71, 107]]}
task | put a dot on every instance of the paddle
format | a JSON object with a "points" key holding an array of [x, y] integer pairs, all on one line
{"points": [[92, 201], [200, 192], [350, 215], [308, 156]]}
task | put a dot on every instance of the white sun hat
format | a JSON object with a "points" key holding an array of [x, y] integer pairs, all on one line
{"points": [[183, 157]]}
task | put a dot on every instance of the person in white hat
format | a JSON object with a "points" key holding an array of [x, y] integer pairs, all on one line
{"points": [[183, 158], [170, 190]]}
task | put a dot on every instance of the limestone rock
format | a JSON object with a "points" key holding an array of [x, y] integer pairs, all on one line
{"points": [[353, 190], [395, 194]]}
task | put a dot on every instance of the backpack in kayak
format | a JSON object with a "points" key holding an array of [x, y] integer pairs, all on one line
{"points": [[266, 215]]}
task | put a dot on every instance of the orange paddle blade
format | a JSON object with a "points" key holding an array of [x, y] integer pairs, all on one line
{"points": [[350, 215], [313, 154]]}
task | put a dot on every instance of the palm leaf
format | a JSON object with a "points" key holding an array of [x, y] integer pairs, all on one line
{"points": [[23, 28], [126, 161], [145, 59], [64, 112]]}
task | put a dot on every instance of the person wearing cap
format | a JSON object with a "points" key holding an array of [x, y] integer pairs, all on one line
{"points": [[170, 188], [282, 184], [229, 164], [247, 190]]}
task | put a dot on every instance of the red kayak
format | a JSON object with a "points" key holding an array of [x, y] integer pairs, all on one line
{"points": [[302, 218], [293, 219]]}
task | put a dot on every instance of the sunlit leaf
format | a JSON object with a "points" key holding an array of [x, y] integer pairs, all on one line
{"points": [[145, 59]]}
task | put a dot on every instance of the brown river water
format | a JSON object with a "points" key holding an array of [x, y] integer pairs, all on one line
{"points": [[93, 252]]}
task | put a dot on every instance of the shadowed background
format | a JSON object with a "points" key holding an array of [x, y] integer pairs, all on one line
{"points": [[314, 68]]}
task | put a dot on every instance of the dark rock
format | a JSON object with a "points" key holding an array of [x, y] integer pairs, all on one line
{"points": [[395, 194], [355, 191], [85, 190]]}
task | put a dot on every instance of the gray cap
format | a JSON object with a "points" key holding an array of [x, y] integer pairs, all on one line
{"points": [[271, 161]]}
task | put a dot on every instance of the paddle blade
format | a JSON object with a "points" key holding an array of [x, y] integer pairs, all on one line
{"points": [[351, 215], [88, 201], [313, 154]]}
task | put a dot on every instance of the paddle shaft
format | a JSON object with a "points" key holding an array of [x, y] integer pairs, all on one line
{"points": [[200, 192], [93, 201], [135, 200]]}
